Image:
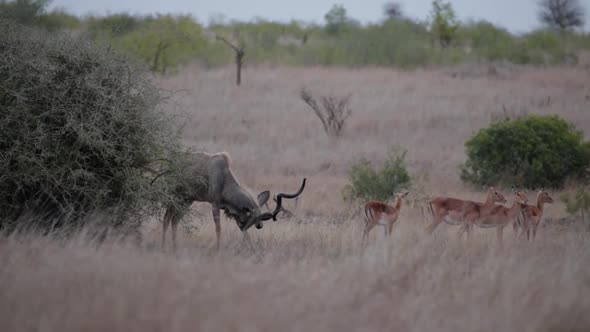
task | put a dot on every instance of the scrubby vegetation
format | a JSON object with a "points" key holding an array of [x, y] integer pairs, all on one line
{"points": [[80, 132], [369, 182], [578, 203], [164, 42], [532, 151]]}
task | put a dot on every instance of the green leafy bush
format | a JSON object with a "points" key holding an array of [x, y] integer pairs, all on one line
{"points": [[533, 151], [578, 204], [381, 183], [79, 132]]}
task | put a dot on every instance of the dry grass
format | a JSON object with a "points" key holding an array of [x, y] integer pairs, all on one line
{"points": [[311, 275]]}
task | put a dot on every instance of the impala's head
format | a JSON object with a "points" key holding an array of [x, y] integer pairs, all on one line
{"points": [[543, 196], [247, 211], [402, 194], [495, 196], [519, 196]]}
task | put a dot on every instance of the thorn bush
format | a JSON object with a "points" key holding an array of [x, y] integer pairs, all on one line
{"points": [[81, 131]]}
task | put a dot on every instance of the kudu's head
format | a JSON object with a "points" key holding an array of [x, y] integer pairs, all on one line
{"points": [[242, 207]]}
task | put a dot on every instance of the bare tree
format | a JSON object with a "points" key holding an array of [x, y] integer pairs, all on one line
{"points": [[331, 110], [393, 10], [561, 14], [239, 56]]}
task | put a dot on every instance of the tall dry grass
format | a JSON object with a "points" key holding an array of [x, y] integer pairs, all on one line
{"points": [[310, 274], [311, 277]]}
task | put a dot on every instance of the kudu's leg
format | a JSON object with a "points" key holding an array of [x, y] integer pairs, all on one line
{"points": [[174, 223], [165, 223], [248, 241], [217, 227]]}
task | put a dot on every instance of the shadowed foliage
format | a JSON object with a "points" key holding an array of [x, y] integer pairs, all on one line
{"points": [[532, 151], [79, 133]]}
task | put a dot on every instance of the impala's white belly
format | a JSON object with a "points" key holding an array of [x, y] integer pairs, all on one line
{"points": [[452, 221], [383, 221], [485, 225]]}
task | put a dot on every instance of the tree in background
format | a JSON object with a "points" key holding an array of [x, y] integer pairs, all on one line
{"points": [[561, 14], [25, 12], [164, 41], [336, 20], [239, 50], [393, 11], [443, 25]]}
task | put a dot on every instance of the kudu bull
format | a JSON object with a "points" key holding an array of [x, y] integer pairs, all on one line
{"points": [[221, 188]]}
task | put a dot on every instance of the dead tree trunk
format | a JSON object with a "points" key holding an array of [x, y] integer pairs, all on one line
{"points": [[239, 57], [162, 46]]}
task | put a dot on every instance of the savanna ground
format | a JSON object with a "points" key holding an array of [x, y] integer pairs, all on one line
{"points": [[310, 274]]}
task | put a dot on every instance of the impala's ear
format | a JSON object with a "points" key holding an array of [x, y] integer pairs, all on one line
{"points": [[263, 197], [405, 194]]}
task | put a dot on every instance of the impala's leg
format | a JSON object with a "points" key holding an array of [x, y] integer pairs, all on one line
{"points": [[534, 231], [368, 228], [217, 226], [165, 222], [390, 229], [515, 226], [437, 219], [462, 230], [528, 234], [365, 232], [499, 235]]}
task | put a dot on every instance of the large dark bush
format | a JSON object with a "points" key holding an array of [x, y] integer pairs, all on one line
{"points": [[534, 151], [80, 132]]}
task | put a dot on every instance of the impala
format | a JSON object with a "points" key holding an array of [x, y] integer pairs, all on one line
{"points": [[500, 216], [454, 211], [532, 214], [380, 213], [211, 180]]}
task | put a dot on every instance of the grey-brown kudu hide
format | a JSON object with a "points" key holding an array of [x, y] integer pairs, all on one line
{"points": [[220, 187]]}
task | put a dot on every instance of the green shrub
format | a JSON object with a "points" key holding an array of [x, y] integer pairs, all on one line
{"points": [[578, 204], [79, 132], [533, 151], [380, 183]]}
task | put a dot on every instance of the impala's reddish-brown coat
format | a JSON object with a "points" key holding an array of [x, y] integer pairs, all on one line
{"points": [[533, 213], [500, 216], [381, 213], [456, 211]]}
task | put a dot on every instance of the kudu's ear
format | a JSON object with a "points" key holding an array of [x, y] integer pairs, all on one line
{"points": [[263, 197]]}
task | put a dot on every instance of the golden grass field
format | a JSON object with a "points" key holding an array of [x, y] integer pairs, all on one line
{"points": [[310, 274]]}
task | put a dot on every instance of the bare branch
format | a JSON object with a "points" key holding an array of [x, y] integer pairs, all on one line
{"points": [[332, 111]]}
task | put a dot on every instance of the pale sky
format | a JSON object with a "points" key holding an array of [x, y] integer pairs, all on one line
{"points": [[515, 15]]}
